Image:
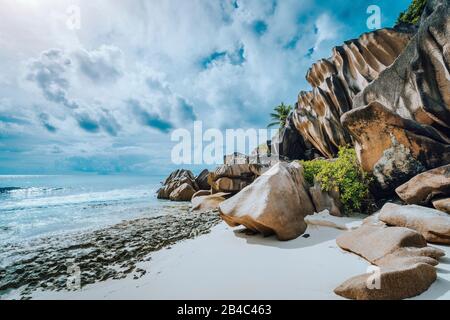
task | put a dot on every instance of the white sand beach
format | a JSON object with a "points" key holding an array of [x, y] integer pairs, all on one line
{"points": [[227, 264]]}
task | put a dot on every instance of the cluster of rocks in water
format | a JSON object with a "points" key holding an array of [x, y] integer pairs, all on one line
{"points": [[109, 253], [182, 184]]}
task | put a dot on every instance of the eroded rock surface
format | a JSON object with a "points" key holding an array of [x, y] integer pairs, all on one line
{"points": [[208, 202], [233, 178], [202, 180], [434, 225], [276, 203], [406, 265], [326, 200], [178, 186], [290, 144], [425, 187], [411, 95], [393, 148], [337, 80], [442, 204], [388, 94]]}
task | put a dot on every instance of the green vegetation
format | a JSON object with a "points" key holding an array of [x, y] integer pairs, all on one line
{"points": [[280, 115], [343, 173], [413, 13]]}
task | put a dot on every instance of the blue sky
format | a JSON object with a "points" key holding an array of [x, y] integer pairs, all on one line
{"points": [[104, 98]]}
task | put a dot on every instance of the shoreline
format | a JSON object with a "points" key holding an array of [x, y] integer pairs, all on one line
{"points": [[107, 253], [229, 264]]}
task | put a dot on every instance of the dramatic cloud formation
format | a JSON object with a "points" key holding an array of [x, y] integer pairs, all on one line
{"points": [[102, 65], [49, 73], [105, 97]]}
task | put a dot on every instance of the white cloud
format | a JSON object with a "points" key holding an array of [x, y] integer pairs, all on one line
{"points": [[152, 53]]}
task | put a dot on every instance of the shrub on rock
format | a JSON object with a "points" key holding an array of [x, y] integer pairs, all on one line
{"points": [[343, 174]]}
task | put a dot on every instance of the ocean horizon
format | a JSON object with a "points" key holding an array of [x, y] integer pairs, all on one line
{"points": [[44, 205]]}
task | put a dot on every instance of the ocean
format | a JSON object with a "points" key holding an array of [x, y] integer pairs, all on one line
{"points": [[45, 205]]}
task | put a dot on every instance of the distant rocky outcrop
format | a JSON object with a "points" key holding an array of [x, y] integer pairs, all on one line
{"points": [[232, 178], [181, 185], [275, 203]]}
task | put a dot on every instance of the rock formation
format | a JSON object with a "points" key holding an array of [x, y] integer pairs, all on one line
{"points": [[324, 200], [202, 180], [233, 178], [325, 219], [434, 225], [202, 202], [442, 204], [181, 185], [388, 94], [414, 93], [426, 187], [337, 80], [393, 148], [177, 179], [290, 144], [374, 242], [406, 264], [275, 203]]}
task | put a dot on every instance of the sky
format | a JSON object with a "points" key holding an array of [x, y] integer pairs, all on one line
{"points": [[102, 94]]}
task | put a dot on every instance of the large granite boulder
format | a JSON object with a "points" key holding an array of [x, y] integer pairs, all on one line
{"points": [[374, 242], [399, 281], [233, 178], [408, 101], [406, 266], [175, 181], [427, 186], [394, 149], [432, 224], [275, 203]]}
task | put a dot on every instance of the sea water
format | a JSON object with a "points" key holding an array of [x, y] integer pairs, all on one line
{"points": [[36, 206]]}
